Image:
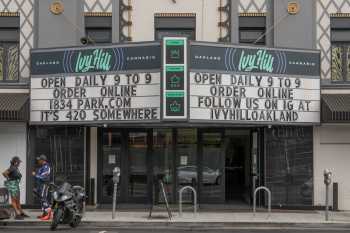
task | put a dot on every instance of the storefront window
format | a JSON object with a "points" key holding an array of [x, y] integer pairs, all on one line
{"points": [[252, 30], [9, 61], [9, 48], [137, 146], [340, 63], [212, 175], [64, 148], [175, 26], [99, 29], [340, 32], [289, 165], [187, 171], [337, 63]]}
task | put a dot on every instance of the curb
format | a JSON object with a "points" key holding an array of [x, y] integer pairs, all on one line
{"points": [[186, 225]]}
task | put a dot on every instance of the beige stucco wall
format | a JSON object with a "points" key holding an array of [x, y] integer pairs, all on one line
{"points": [[13, 142], [332, 150], [207, 17]]}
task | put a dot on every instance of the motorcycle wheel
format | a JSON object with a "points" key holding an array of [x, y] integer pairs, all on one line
{"points": [[57, 214], [75, 222]]}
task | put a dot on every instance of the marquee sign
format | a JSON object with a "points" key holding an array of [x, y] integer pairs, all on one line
{"points": [[254, 85], [227, 58], [119, 83], [100, 59], [143, 83]]}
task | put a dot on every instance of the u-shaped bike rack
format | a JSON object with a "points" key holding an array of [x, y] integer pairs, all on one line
{"points": [[269, 198], [194, 202]]}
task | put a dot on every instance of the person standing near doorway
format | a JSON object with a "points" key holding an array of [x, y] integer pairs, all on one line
{"points": [[42, 178], [13, 178]]}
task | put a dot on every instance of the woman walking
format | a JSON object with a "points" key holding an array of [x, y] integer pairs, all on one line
{"points": [[13, 178]]}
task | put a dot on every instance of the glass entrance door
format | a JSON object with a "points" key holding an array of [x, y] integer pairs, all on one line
{"points": [[237, 166]]}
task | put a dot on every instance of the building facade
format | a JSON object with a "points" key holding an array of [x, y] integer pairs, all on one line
{"points": [[225, 160]]}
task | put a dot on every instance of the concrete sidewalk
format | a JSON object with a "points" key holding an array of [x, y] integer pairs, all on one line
{"points": [[139, 219]]}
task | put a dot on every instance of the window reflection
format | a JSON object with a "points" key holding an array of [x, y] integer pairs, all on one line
{"points": [[1, 63], [137, 144], [9, 61], [163, 160], [187, 160], [337, 66], [111, 158], [212, 167], [348, 63], [12, 61]]}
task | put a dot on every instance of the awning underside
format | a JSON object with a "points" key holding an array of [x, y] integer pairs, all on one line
{"points": [[336, 108], [13, 107]]}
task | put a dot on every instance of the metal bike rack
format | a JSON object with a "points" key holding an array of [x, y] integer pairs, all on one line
{"points": [[194, 202], [269, 198]]}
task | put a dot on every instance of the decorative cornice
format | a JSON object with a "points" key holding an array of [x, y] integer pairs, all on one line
{"points": [[175, 15], [251, 14], [340, 15], [9, 14]]}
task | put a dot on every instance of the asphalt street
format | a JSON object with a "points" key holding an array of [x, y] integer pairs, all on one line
{"points": [[238, 230]]}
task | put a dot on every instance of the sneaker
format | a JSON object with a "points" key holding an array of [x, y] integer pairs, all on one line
{"points": [[19, 217], [47, 216], [24, 215], [41, 215]]}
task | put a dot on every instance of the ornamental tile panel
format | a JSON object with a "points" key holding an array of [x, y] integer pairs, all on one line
{"points": [[252, 6], [98, 6]]}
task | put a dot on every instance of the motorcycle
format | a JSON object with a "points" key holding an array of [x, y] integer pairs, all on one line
{"points": [[67, 205]]}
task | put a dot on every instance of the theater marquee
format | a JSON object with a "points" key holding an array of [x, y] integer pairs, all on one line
{"points": [[254, 85], [103, 84], [214, 83]]}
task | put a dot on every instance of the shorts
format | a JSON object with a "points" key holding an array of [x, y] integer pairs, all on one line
{"points": [[13, 188]]}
